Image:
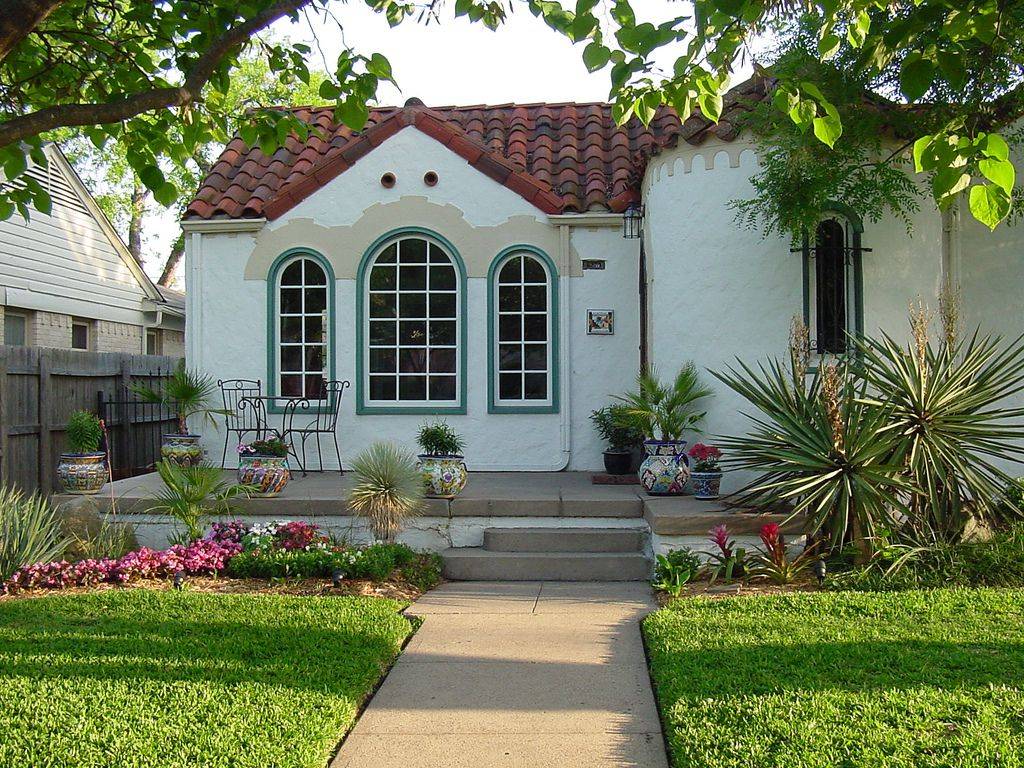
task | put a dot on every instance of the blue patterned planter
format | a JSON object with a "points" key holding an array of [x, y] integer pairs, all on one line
{"points": [[443, 476], [666, 468], [705, 484], [82, 474]]}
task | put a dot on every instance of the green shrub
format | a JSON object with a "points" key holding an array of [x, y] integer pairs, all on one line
{"points": [[673, 570], [388, 489], [30, 531], [423, 571], [110, 540], [997, 562], [376, 562], [439, 439], [83, 432], [613, 425]]}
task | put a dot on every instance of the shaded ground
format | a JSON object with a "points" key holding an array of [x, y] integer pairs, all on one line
{"points": [[853, 679], [137, 677]]}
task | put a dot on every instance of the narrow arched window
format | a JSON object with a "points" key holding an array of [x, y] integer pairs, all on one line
{"points": [[832, 285], [413, 326], [523, 332], [302, 337]]}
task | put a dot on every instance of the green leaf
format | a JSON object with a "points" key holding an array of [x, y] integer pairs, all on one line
{"points": [[803, 114], [857, 32], [16, 164], [993, 145], [828, 128], [999, 172], [379, 65], [596, 56], [989, 204], [948, 181], [41, 200], [354, 113], [710, 105], [166, 194], [916, 76], [923, 159], [151, 176], [828, 46]]}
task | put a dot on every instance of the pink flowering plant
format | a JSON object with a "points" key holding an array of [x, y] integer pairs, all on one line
{"points": [[273, 446], [706, 458], [774, 562], [726, 560]]}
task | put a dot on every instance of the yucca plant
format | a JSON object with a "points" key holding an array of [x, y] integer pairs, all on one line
{"points": [[388, 490], [949, 424], [191, 495], [30, 531], [663, 411], [821, 446], [187, 393]]}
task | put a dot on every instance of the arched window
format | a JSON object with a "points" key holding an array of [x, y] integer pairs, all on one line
{"points": [[523, 339], [833, 302], [302, 329], [412, 326]]}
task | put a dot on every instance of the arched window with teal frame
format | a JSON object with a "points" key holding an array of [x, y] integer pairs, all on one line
{"points": [[300, 333], [411, 325], [522, 331]]}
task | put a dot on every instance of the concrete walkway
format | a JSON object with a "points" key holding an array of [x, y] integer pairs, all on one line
{"points": [[522, 674]]}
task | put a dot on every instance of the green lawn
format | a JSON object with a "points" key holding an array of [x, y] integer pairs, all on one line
{"points": [[843, 679], [172, 679]]}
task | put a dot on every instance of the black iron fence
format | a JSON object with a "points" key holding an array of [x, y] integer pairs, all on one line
{"points": [[134, 429]]}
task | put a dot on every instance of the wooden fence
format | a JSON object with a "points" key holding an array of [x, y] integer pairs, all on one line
{"points": [[40, 388]]}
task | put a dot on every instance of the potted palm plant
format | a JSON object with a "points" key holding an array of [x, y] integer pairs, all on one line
{"points": [[83, 470], [388, 489], [263, 464], [622, 440], [188, 394], [441, 463], [706, 472], [663, 412]]}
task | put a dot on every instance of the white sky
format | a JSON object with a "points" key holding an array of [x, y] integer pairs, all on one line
{"points": [[453, 62]]}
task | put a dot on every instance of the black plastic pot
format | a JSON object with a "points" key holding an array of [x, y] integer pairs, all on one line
{"points": [[618, 462]]}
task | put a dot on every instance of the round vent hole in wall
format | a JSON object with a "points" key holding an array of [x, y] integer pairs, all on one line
{"points": [[387, 180], [430, 178]]}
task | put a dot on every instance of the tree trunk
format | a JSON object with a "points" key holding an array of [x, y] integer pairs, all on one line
{"points": [[138, 210], [19, 18], [171, 265]]}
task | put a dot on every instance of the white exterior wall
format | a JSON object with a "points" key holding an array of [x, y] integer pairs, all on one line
{"points": [[227, 334], [719, 291]]}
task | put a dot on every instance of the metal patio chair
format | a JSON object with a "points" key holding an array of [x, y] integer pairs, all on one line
{"points": [[323, 421], [244, 410]]}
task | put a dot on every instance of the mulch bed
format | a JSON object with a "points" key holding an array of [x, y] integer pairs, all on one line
{"points": [[732, 589]]}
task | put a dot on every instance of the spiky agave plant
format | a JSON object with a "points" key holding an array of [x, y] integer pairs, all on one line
{"points": [[30, 531], [388, 489], [192, 494], [820, 447], [952, 424]]}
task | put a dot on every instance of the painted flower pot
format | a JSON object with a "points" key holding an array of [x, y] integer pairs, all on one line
{"points": [[270, 474], [665, 468], [443, 476], [183, 450], [705, 484], [618, 462], [82, 474]]}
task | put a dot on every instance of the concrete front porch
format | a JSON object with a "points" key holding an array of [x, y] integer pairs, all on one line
{"points": [[505, 525]]}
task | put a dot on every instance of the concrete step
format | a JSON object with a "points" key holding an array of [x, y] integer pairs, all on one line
{"points": [[477, 564], [563, 540]]}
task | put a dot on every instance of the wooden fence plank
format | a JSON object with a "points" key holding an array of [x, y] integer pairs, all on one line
{"points": [[45, 435]]}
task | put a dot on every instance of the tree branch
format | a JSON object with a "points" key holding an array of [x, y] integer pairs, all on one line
{"points": [[117, 110], [18, 19]]}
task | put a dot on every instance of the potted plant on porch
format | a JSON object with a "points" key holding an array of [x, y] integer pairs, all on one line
{"points": [[187, 393], [83, 470], [441, 463], [664, 412], [263, 464], [706, 473], [623, 441]]}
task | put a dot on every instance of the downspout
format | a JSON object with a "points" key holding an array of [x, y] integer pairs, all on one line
{"points": [[642, 288], [565, 344]]}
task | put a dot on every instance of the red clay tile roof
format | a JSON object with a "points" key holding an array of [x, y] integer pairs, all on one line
{"points": [[563, 158]]}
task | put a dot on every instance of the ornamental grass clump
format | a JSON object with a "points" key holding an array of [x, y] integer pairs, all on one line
{"points": [[388, 490], [30, 531]]}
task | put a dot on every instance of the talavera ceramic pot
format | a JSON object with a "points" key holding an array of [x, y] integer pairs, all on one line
{"points": [[443, 476], [665, 468]]}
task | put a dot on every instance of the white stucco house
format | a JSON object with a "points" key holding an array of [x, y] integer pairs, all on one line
{"points": [[68, 281], [463, 261]]}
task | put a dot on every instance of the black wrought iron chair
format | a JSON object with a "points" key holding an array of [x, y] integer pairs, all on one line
{"points": [[244, 411], [323, 421]]}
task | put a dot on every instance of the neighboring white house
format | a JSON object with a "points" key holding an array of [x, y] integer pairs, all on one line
{"points": [[68, 281], [462, 261]]}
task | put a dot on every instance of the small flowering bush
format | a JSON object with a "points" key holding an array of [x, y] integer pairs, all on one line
{"points": [[201, 557], [230, 532], [774, 562], [726, 560], [275, 446], [706, 458]]}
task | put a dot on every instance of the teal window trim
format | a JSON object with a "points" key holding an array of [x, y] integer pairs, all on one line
{"points": [[493, 405], [854, 270], [273, 326], [363, 407]]}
